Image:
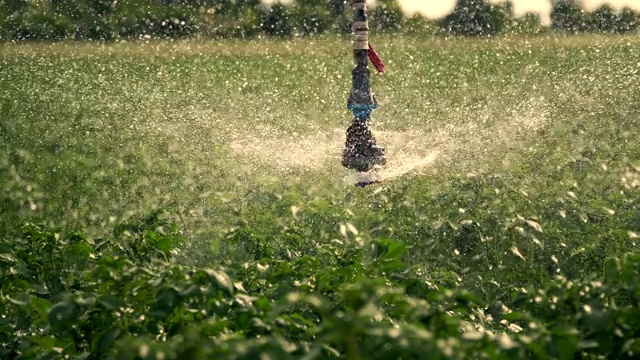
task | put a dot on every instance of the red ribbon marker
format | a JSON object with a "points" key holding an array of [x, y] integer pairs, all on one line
{"points": [[375, 60]]}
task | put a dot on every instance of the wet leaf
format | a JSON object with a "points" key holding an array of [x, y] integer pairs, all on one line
{"points": [[21, 299], [63, 315]]}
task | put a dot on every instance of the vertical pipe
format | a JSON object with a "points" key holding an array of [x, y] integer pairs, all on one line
{"points": [[361, 152], [361, 100]]}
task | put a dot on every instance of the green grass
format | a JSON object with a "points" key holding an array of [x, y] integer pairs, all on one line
{"points": [[533, 139]]}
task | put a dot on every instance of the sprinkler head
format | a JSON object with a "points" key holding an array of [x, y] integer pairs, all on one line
{"points": [[361, 152]]}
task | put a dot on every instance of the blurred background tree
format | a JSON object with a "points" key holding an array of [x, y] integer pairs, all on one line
{"points": [[111, 19], [473, 18]]}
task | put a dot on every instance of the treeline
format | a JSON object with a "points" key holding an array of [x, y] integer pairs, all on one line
{"points": [[112, 19]]}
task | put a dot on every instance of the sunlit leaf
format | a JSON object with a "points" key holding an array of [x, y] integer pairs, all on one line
{"points": [[21, 299], [515, 251]]}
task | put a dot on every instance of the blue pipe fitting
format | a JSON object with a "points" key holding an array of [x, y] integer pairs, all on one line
{"points": [[362, 111]]}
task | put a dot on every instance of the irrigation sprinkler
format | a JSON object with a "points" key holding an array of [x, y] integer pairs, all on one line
{"points": [[361, 153]]}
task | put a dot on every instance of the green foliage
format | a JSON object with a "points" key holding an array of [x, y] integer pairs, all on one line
{"points": [[243, 22], [606, 20], [107, 20], [474, 17], [418, 25], [36, 23], [64, 295], [529, 25], [386, 16], [277, 21], [522, 243], [312, 17], [140, 18], [567, 16]]}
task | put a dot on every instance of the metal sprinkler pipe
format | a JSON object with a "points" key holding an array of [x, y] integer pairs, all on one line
{"points": [[361, 152]]}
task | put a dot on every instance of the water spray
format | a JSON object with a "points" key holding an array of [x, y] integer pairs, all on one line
{"points": [[361, 153]]}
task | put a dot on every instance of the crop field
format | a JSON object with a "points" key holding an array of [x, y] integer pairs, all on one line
{"points": [[185, 200]]}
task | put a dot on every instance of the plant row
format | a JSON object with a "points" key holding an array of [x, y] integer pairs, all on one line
{"points": [[64, 295]]}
